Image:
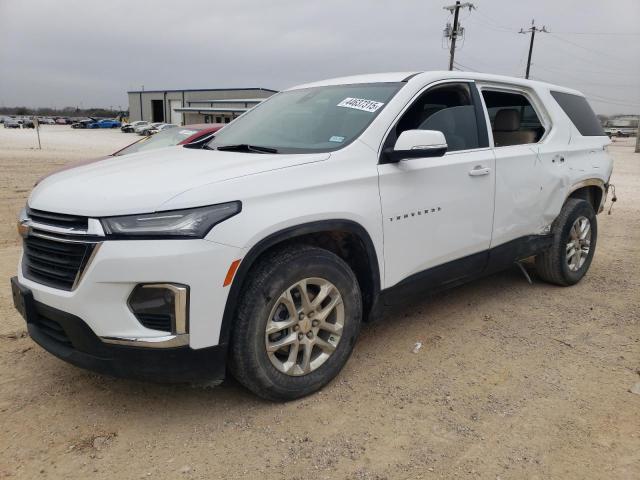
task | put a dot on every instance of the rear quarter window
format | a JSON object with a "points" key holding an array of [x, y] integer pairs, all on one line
{"points": [[580, 113]]}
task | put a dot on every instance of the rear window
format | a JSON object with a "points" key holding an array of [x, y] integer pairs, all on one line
{"points": [[580, 113]]}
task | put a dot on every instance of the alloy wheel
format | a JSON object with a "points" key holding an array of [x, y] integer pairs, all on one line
{"points": [[305, 326], [579, 243]]}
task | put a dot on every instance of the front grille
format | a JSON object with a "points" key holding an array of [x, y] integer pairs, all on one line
{"points": [[54, 263], [58, 219], [155, 321]]}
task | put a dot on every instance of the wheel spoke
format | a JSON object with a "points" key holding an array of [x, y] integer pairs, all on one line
{"points": [[325, 290], [293, 357], [306, 358], [333, 328], [584, 231], [324, 345], [282, 342], [326, 311], [287, 300], [576, 259], [574, 232], [275, 327], [304, 295]]}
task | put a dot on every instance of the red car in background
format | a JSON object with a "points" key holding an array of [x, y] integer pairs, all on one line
{"points": [[192, 136], [189, 136]]}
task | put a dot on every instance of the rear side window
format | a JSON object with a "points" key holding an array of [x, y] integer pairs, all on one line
{"points": [[580, 113], [513, 119]]}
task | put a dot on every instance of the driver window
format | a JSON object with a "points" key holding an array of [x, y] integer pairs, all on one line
{"points": [[447, 108]]}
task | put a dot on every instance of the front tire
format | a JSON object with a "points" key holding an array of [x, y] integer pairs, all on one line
{"points": [[297, 321], [575, 233]]}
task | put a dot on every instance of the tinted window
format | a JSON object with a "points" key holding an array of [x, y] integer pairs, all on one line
{"points": [[449, 109], [580, 113], [311, 119]]}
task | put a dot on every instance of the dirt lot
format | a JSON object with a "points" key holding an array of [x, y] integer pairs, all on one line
{"points": [[513, 380]]}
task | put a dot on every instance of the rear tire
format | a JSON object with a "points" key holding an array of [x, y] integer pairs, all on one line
{"points": [[575, 233], [297, 321]]}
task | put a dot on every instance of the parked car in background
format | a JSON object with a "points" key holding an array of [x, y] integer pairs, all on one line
{"points": [[46, 121], [620, 131], [84, 123], [190, 136], [61, 121], [12, 123], [105, 123], [152, 131], [129, 127], [141, 129], [19, 123]]}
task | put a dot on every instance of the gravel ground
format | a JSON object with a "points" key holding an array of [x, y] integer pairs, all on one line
{"points": [[512, 381]]}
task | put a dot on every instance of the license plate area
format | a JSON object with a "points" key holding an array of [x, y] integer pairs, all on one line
{"points": [[22, 300]]}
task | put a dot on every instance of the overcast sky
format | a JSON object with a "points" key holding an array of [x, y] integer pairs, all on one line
{"points": [[89, 53]]}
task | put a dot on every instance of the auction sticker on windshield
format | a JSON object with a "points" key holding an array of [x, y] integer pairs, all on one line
{"points": [[360, 104]]}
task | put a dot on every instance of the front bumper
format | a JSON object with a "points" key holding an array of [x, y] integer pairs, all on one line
{"points": [[69, 338], [100, 298]]}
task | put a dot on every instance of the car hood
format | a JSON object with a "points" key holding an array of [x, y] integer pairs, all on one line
{"points": [[143, 182]]}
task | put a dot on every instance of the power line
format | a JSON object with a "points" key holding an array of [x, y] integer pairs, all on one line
{"points": [[592, 72], [598, 33], [582, 82], [591, 50], [458, 64], [491, 27], [496, 24], [587, 60], [598, 98]]}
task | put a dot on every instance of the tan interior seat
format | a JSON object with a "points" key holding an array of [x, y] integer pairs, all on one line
{"points": [[506, 129]]}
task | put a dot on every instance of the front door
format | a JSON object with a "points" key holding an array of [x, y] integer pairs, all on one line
{"points": [[438, 212]]}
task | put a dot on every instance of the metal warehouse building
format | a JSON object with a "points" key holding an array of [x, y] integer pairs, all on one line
{"points": [[184, 107]]}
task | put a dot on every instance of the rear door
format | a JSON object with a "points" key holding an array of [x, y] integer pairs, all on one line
{"points": [[439, 210], [530, 164]]}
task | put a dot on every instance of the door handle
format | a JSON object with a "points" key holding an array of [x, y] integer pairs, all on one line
{"points": [[479, 170]]}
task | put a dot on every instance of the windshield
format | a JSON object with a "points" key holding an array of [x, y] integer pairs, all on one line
{"points": [[164, 138], [315, 119]]}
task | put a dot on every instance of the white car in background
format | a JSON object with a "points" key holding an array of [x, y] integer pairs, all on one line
{"points": [[140, 129], [130, 127], [159, 128], [305, 217]]}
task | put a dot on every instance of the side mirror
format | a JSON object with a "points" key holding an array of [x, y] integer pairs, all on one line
{"points": [[416, 144]]}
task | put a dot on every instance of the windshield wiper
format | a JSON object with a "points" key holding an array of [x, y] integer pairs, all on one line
{"points": [[243, 147]]}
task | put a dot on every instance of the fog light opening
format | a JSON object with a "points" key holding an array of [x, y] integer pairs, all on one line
{"points": [[161, 306]]}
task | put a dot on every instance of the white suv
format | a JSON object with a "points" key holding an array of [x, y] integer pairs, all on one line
{"points": [[266, 250]]}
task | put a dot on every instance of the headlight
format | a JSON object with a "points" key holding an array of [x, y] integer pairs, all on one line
{"points": [[188, 223]]}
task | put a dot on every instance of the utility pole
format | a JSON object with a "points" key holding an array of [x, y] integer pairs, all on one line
{"points": [[533, 29], [454, 32]]}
